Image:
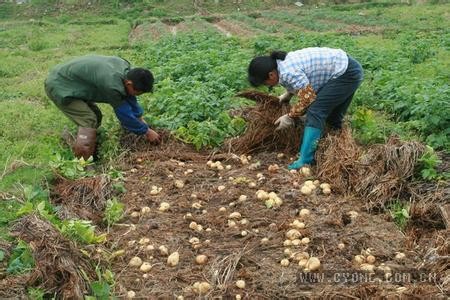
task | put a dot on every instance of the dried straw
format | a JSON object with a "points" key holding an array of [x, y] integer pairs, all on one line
{"points": [[60, 266], [260, 134]]}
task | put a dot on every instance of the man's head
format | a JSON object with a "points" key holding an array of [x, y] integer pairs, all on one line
{"points": [[139, 81]]}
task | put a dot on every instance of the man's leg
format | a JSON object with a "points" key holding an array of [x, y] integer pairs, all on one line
{"points": [[88, 118]]}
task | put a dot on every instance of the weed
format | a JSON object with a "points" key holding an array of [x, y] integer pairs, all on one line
{"points": [[400, 213]]}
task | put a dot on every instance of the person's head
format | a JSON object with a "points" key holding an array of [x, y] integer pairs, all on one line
{"points": [[139, 81], [263, 69]]}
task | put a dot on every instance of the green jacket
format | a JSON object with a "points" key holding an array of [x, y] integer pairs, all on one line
{"points": [[92, 78]]}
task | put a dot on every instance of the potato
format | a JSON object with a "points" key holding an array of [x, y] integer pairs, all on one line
{"points": [[359, 259], [135, 214], [235, 215], [306, 190], [173, 259], [135, 262], [194, 240], [179, 184], [244, 233], [231, 223], [305, 241], [273, 168], [193, 225], [145, 267], [326, 191], [163, 250], [302, 262], [370, 259], [201, 259], [144, 241], [316, 183], [131, 294], [244, 222], [287, 243], [149, 248], [201, 287], [284, 262], [367, 268], [196, 205], [280, 155], [304, 213], [240, 284], [293, 234], [262, 195], [264, 240], [296, 242], [221, 188], [222, 209], [313, 264], [287, 252], [145, 210], [305, 171], [297, 224], [242, 198], [325, 186], [164, 206], [341, 246], [400, 256]]}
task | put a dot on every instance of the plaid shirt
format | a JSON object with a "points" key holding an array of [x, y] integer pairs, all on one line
{"points": [[314, 66]]}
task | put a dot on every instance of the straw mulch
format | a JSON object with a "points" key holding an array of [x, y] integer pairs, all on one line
{"points": [[260, 134], [61, 268], [83, 198]]}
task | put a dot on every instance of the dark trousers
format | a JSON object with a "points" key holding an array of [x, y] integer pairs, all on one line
{"points": [[334, 98]]}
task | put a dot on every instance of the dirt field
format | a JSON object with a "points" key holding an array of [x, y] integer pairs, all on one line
{"points": [[237, 251]]}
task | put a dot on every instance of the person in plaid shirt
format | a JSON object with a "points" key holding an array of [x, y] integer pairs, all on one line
{"points": [[324, 79]]}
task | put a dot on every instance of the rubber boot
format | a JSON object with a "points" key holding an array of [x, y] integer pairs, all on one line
{"points": [[311, 136], [85, 142]]}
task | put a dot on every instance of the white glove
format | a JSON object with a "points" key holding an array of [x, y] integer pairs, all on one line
{"points": [[285, 98], [284, 122]]}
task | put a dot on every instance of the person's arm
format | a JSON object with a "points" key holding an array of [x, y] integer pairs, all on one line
{"points": [[306, 97], [129, 118]]}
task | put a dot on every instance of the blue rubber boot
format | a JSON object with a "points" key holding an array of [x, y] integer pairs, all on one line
{"points": [[311, 136]]}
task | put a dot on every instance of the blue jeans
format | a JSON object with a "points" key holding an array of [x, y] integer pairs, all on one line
{"points": [[334, 98]]}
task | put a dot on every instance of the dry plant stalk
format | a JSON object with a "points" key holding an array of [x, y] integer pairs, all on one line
{"points": [[83, 198], [384, 170], [336, 156], [260, 134], [59, 264]]}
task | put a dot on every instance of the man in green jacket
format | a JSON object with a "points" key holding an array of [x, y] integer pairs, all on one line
{"points": [[75, 87]]}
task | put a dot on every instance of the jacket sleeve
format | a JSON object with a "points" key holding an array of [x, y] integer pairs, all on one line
{"points": [[129, 117], [137, 109], [306, 97]]}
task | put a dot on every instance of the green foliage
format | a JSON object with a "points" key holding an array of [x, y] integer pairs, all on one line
{"points": [[82, 231], [100, 290], [114, 211], [400, 214], [21, 259], [72, 168], [35, 293], [428, 165], [367, 129]]}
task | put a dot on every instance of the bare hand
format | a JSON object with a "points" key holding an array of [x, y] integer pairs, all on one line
{"points": [[152, 136]]}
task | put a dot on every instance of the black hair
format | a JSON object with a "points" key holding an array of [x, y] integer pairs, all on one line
{"points": [[142, 79], [261, 66]]}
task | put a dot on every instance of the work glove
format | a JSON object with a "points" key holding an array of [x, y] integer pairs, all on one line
{"points": [[284, 122], [285, 98]]}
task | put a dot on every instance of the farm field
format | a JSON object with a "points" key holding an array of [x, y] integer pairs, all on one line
{"points": [[73, 229]]}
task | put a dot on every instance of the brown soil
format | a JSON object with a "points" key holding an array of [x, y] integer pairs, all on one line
{"points": [[148, 32], [235, 28], [232, 256]]}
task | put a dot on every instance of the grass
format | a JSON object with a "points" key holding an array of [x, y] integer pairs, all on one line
{"points": [[401, 61]]}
